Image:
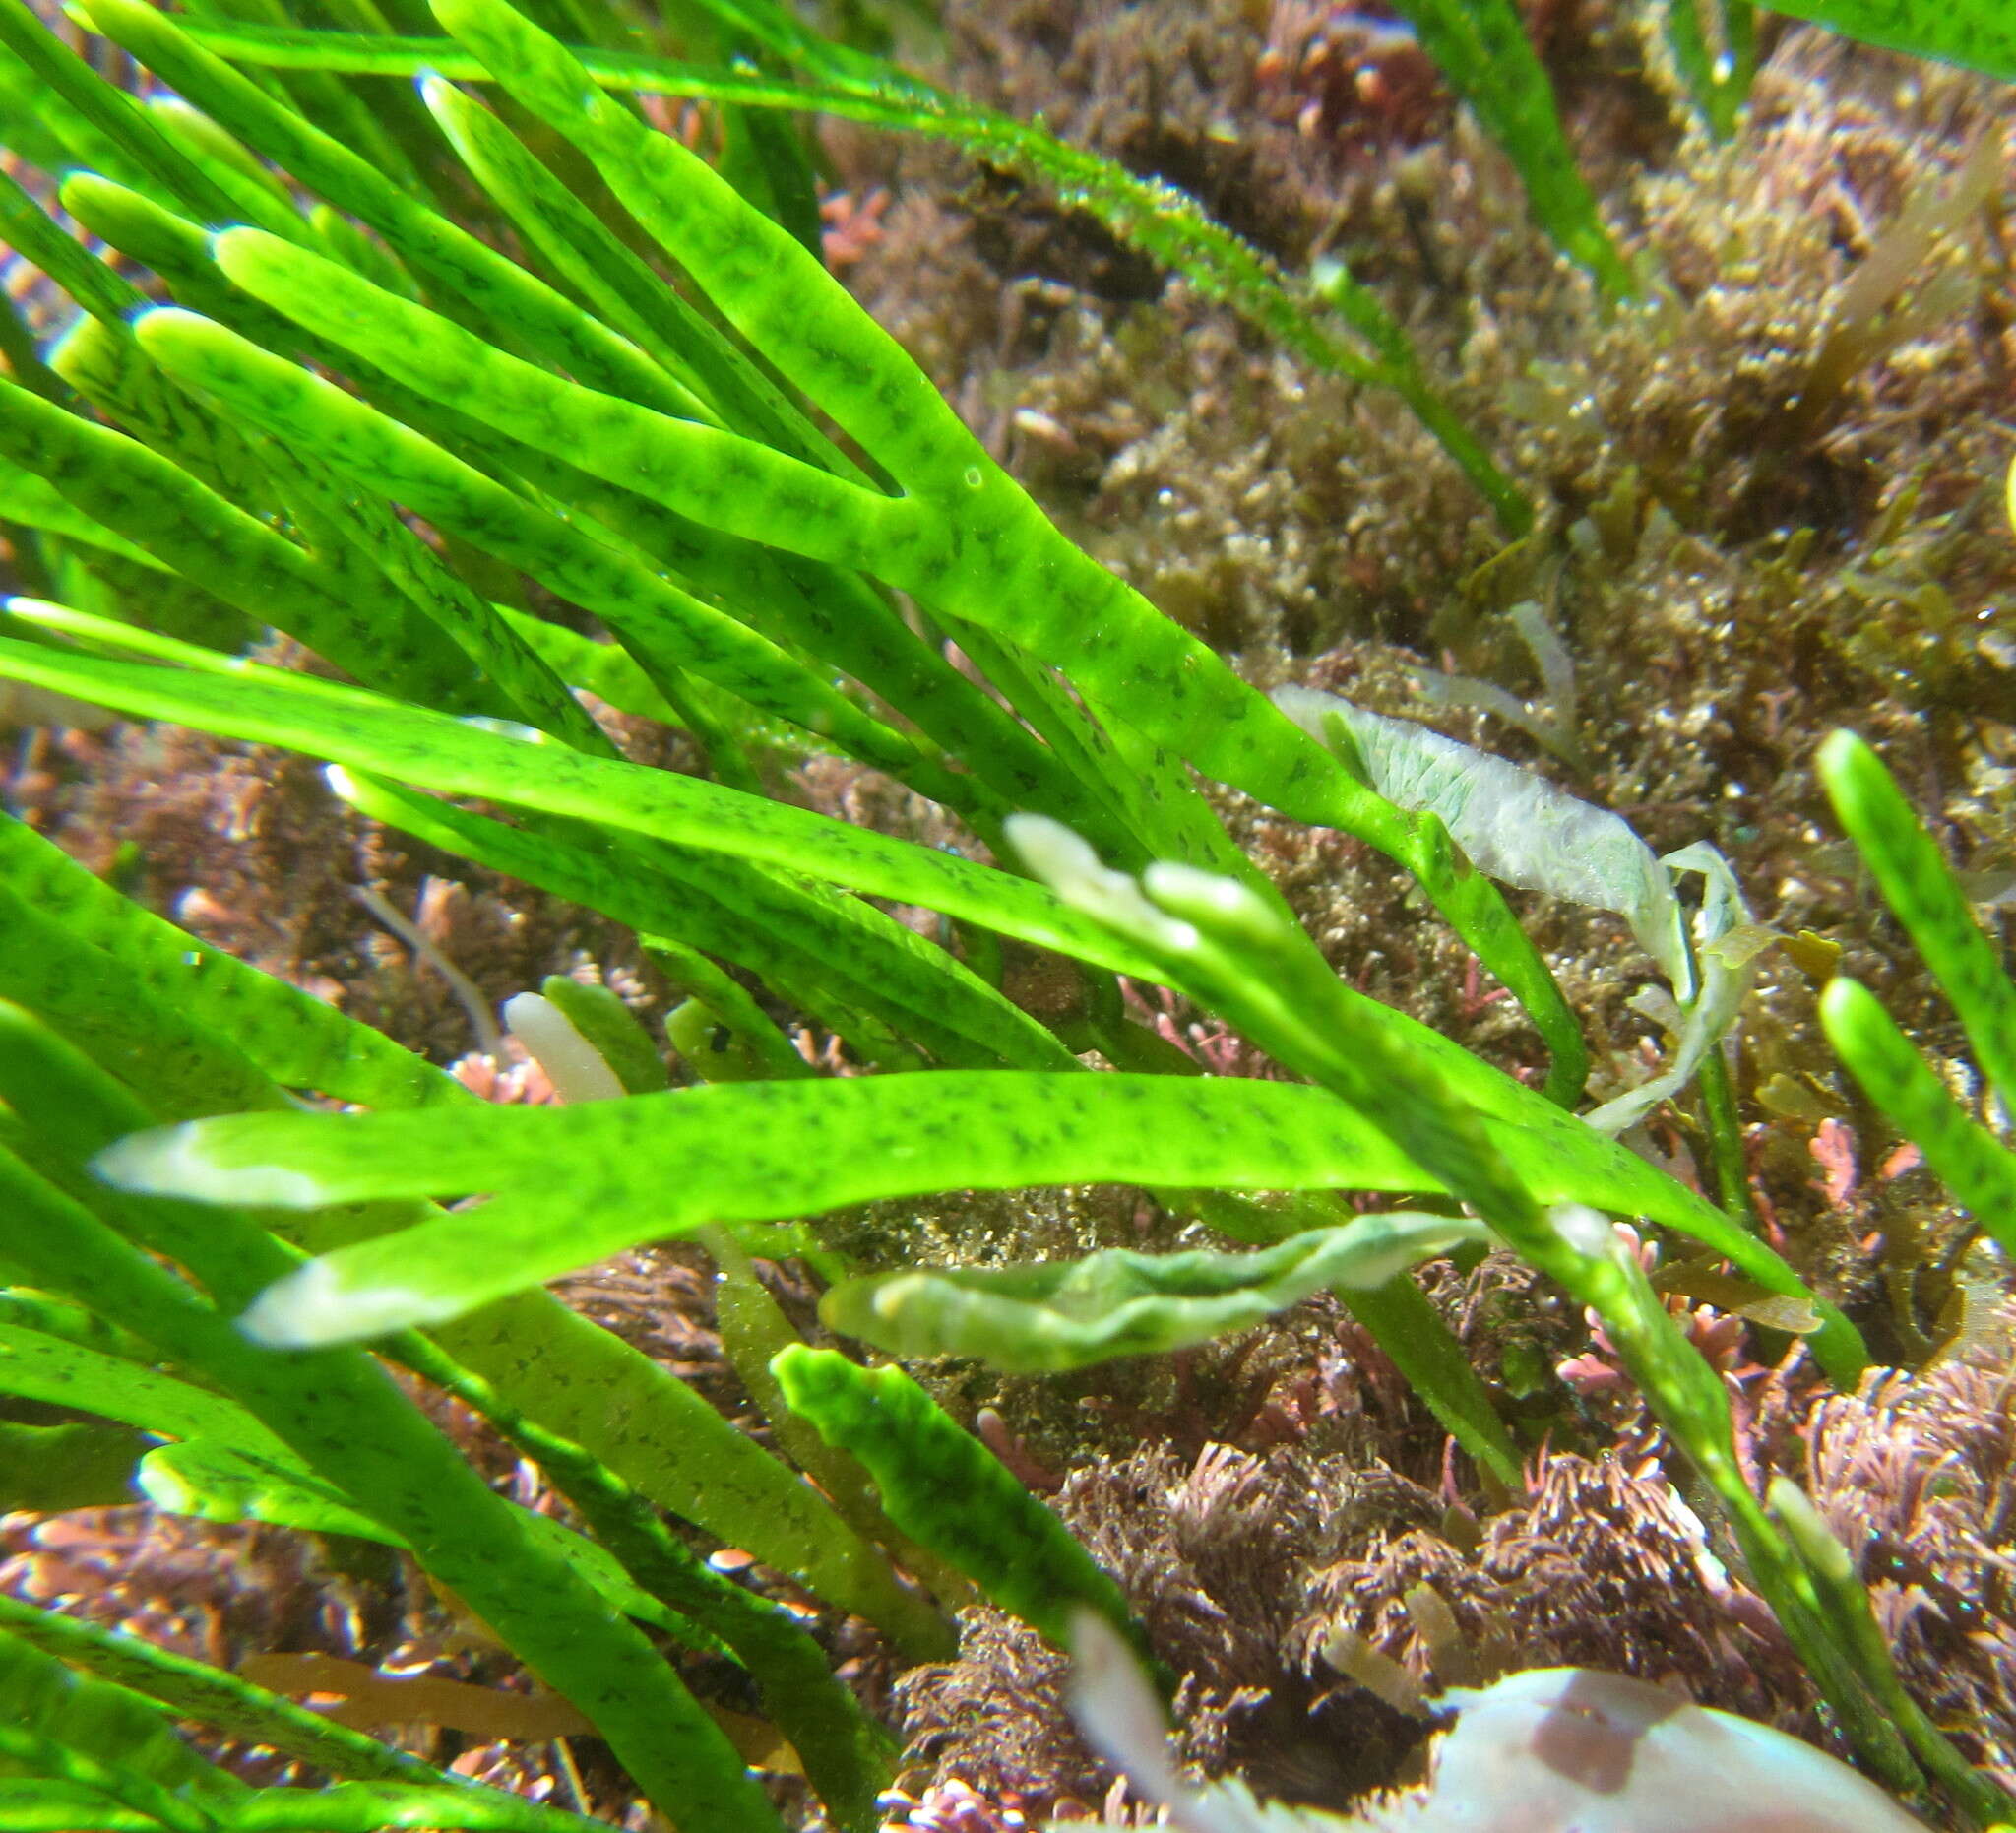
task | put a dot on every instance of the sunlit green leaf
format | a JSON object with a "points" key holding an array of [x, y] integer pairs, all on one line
{"points": [[1979, 34], [757, 1151], [443, 753]]}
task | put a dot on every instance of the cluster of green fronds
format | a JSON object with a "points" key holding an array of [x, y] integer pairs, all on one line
{"points": [[684, 429], [812, 76]]}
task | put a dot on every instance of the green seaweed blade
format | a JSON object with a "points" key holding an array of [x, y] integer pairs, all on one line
{"points": [[1977, 33], [946, 1491], [1921, 893]]}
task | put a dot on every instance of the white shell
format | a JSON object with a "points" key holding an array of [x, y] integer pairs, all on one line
{"points": [[1551, 1750], [1575, 1750]]}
